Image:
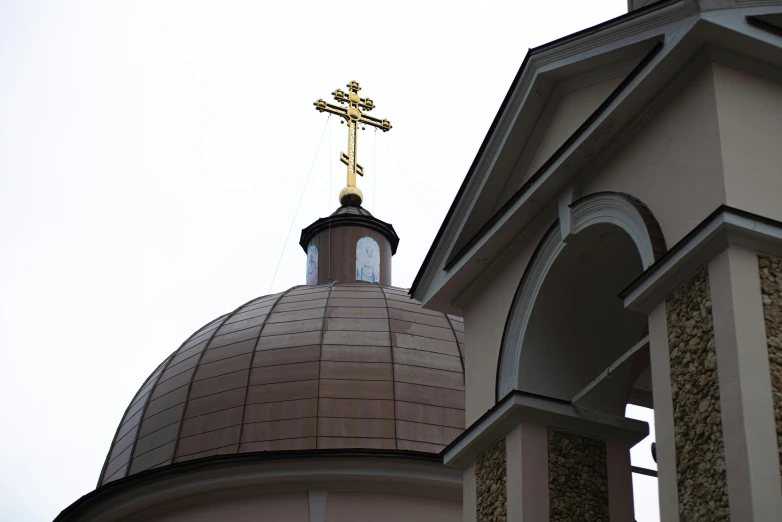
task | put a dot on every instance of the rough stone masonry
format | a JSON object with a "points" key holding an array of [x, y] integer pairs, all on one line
{"points": [[577, 478], [490, 482], [700, 451], [771, 291]]}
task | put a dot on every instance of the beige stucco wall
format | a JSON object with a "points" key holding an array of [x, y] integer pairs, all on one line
{"points": [[383, 507], [573, 109], [673, 165], [484, 323], [749, 109], [291, 507]]}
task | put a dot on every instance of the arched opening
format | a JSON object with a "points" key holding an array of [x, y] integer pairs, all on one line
{"points": [[578, 327], [568, 337]]}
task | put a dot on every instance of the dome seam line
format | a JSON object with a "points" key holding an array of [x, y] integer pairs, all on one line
{"points": [[320, 346], [195, 370], [122, 422], [393, 366], [458, 344], [162, 367], [252, 360]]}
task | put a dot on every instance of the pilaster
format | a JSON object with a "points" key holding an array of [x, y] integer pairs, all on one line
{"points": [[527, 450], [716, 290], [748, 423], [665, 433]]}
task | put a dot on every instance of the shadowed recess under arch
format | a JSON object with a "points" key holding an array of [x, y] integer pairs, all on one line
{"points": [[605, 208]]}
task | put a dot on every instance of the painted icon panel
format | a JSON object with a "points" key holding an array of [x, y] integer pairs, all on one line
{"points": [[367, 260], [312, 265]]}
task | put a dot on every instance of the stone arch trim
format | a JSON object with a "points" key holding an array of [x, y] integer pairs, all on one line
{"points": [[616, 208], [628, 213]]}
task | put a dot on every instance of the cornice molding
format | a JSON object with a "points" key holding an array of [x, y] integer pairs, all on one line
{"points": [[349, 220], [272, 471], [518, 407], [693, 27], [725, 227], [586, 43]]}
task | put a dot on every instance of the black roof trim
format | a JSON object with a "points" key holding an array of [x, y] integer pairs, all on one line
{"points": [[535, 50], [497, 405], [120, 486], [557, 154], [344, 219], [722, 209], [756, 22]]}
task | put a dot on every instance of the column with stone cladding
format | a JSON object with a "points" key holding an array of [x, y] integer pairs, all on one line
{"points": [[534, 459], [716, 379], [695, 390], [491, 484], [577, 477], [771, 289]]}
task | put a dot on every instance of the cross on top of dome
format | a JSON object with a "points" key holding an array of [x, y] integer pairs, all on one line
{"points": [[351, 105]]}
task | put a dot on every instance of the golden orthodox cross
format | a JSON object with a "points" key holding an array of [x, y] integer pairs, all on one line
{"points": [[349, 110]]}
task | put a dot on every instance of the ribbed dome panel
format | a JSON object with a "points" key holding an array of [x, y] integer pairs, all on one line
{"points": [[354, 365]]}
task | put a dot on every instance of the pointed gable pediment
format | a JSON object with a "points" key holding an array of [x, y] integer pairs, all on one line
{"points": [[559, 98], [574, 103]]}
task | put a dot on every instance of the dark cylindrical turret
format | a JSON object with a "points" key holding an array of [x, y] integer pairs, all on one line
{"points": [[349, 245]]}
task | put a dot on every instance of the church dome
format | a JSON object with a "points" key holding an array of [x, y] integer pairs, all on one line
{"points": [[340, 366]]}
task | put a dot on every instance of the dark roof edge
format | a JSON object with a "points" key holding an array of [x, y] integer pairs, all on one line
{"points": [[346, 220], [556, 155], [535, 50], [119, 486], [122, 419], [722, 209], [754, 21], [497, 405]]}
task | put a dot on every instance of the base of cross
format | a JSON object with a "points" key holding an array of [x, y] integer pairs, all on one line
{"points": [[350, 196]]}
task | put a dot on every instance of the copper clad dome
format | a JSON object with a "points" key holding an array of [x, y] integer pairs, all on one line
{"points": [[351, 365]]}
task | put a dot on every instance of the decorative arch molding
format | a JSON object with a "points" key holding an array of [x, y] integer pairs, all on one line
{"points": [[626, 212], [615, 208]]}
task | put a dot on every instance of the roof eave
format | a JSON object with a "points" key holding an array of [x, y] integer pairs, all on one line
{"points": [[439, 250]]}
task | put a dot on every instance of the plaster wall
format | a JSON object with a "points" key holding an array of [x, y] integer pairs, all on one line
{"points": [[484, 323], [674, 164], [749, 110], [383, 507], [573, 109], [291, 507]]}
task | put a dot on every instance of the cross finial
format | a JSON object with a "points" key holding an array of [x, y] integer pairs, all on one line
{"points": [[350, 111]]}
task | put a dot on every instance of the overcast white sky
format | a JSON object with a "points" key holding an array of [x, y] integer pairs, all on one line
{"points": [[151, 157]]}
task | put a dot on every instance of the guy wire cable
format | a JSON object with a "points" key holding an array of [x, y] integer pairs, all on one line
{"points": [[301, 197], [408, 181]]}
